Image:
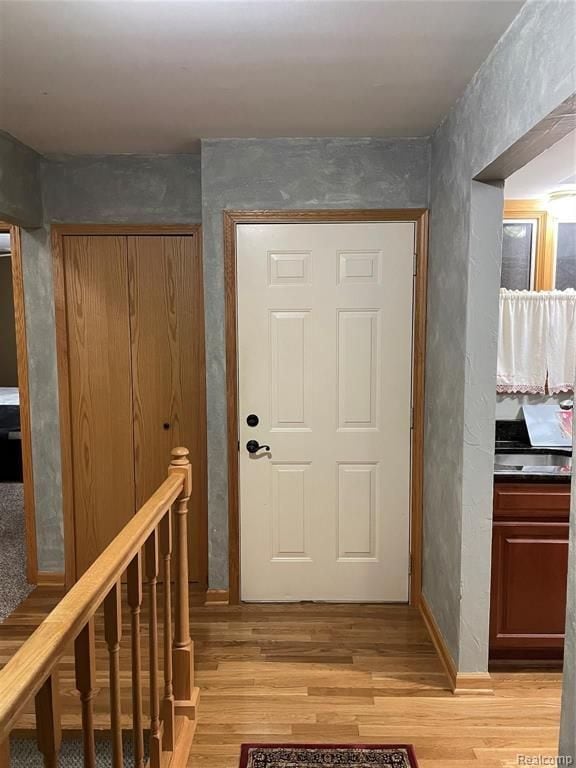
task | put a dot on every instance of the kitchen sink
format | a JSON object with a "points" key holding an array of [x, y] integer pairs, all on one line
{"points": [[554, 464], [532, 460]]}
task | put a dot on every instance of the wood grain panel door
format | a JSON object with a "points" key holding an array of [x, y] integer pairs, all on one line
{"points": [[168, 369], [98, 337]]}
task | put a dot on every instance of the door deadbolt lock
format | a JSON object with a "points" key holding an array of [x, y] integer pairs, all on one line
{"points": [[252, 420]]}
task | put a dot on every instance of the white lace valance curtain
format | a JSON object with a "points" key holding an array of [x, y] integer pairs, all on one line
{"points": [[537, 341]]}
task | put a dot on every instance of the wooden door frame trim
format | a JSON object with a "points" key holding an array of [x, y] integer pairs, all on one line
{"points": [[233, 217], [24, 394], [58, 232]]}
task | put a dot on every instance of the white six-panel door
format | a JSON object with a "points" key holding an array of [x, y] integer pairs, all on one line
{"points": [[325, 363]]}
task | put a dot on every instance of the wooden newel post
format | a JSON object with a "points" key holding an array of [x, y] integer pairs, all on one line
{"points": [[182, 649]]}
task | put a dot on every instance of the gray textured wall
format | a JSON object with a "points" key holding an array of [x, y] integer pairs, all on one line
{"points": [[43, 389], [482, 315], [120, 189], [114, 189], [529, 73], [284, 174], [20, 200]]}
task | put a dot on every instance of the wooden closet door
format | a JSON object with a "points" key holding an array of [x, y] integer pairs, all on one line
{"points": [[96, 287], [168, 370]]}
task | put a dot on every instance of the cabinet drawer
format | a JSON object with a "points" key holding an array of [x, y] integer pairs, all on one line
{"points": [[529, 574], [531, 500]]}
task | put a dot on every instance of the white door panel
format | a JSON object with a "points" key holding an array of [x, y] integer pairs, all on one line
{"points": [[325, 356]]}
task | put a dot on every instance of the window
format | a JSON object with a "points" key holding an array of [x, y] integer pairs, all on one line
{"points": [[519, 254], [538, 252], [565, 276]]}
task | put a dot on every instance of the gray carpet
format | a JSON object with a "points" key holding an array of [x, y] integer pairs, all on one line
{"points": [[24, 754], [13, 585]]}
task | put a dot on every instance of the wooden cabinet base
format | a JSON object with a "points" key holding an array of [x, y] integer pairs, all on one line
{"points": [[529, 571]]}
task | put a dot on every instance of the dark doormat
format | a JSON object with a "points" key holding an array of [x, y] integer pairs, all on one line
{"points": [[324, 755]]}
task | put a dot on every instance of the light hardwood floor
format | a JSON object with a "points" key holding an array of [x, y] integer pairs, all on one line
{"points": [[330, 673]]}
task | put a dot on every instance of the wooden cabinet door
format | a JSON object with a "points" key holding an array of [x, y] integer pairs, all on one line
{"points": [[100, 392], [529, 575], [168, 371]]}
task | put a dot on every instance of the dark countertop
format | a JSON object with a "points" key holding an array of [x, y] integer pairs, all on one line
{"points": [[512, 437]]}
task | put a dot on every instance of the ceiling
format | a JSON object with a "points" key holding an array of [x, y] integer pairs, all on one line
{"points": [[131, 76], [550, 170]]}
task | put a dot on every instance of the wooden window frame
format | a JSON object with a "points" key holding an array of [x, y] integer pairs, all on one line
{"points": [[545, 257], [420, 217]]}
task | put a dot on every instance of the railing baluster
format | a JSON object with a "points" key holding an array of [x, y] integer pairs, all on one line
{"points": [[182, 655], [113, 636], [48, 727], [135, 603], [168, 701], [72, 620], [85, 662], [5, 754], [151, 557]]}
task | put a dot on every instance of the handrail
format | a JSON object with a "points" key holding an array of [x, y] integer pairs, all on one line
{"points": [[32, 664]]}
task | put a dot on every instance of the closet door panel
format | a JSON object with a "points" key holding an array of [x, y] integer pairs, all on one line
{"points": [[168, 369], [96, 284]]}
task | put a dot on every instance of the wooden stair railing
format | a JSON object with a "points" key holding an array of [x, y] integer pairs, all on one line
{"points": [[144, 546]]}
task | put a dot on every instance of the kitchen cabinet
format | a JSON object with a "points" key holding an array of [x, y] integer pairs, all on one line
{"points": [[529, 570]]}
